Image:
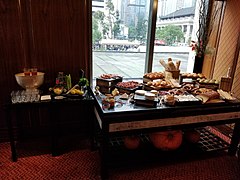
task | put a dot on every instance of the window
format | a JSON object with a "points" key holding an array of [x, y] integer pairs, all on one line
{"points": [[177, 18], [185, 28], [121, 36]]}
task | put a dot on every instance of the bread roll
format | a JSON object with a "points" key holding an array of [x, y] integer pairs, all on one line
{"points": [[162, 62], [178, 62], [171, 66], [209, 95], [212, 95]]}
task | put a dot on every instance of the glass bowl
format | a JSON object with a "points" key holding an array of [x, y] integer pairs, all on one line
{"points": [[30, 83]]}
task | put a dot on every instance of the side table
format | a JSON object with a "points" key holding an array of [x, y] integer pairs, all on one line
{"points": [[53, 108]]}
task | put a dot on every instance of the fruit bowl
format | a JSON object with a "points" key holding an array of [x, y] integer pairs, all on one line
{"points": [[30, 83]]}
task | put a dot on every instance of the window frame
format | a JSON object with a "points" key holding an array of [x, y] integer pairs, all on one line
{"points": [[153, 8], [151, 35]]}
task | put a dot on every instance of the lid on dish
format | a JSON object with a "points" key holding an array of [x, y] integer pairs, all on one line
{"points": [[149, 96], [140, 92]]}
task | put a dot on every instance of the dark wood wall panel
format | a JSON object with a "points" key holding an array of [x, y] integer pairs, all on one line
{"points": [[58, 36], [12, 54], [12, 50], [52, 35]]}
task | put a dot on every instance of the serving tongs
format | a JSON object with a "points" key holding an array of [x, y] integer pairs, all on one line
{"points": [[74, 87]]}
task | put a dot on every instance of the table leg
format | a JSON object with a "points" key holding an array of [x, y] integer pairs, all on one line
{"points": [[11, 136], [95, 133], [92, 132], [53, 127], [103, 159], [104, 150], [235, 139]]}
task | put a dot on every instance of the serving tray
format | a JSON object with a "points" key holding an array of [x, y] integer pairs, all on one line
{"points": [[129, 90], [76, 96], [188, 99], [72, 96]]}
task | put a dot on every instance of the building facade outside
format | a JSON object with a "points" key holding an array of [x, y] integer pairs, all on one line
{"points": [[184, 18], [168, 6], [98, 5], [170, 12]]}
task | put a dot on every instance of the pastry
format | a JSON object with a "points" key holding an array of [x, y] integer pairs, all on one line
{"points": [[124, 96], [169, 99], [209, 95]]}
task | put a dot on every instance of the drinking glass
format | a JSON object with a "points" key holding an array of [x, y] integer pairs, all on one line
{"points": [[14, 97], [27, 71], [33, 71]]}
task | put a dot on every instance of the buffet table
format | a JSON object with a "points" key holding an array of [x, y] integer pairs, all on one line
{"points": [[126, 118], [56, 116]]}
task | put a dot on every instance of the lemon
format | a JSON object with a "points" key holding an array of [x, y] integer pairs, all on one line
{"points": [[73, 91], [79, 92]]}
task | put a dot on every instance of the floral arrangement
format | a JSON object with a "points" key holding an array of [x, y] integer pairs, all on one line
{"points": [[198, 48], [205, 25]]}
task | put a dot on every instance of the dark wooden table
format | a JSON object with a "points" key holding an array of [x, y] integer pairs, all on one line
{"points": [[127, 118], [55, 107]]}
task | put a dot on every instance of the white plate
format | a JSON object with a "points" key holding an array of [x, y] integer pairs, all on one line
{"points": [[59, 97]]}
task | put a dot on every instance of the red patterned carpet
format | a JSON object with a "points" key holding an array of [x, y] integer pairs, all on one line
{"points": [[83, 164]]}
